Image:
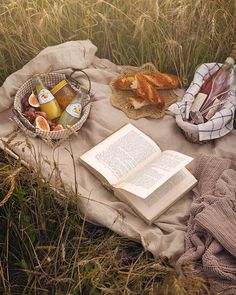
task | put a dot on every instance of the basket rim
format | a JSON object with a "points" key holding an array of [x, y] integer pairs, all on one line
{"points": [[58, 134]]}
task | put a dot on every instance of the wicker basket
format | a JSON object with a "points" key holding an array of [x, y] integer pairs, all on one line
{"points": [[216, 126], [51, 80], [189, 130]]}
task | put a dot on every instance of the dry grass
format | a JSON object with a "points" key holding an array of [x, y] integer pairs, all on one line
{"points": [[175, 35], [46, 248]]}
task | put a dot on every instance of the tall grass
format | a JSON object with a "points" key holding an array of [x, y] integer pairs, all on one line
{"points": [[46, 248], [175, 35]]}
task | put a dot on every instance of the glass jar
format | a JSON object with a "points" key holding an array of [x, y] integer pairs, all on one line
{"points": [[47, 101], [72, 113], [64, 93]]}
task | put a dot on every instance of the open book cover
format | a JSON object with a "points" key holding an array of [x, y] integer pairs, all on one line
{"points": [[140, 174]]}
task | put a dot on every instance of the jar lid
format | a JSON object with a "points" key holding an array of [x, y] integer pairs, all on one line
{"points": [[58, 86]]}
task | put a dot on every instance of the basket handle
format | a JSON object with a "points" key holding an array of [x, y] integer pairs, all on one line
{"points": [[77, 82]]}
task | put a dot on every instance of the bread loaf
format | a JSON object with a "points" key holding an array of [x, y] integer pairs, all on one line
{"points": [[158, 79], [146, 86], [162, 80], [124, 82], [146, 90], [137, 102]]}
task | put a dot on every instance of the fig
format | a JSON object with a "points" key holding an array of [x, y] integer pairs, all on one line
{"points": [[58, 127], [42, 123], [52, 124], [43, 114], [30, 114], [33, 100], [24, 101]]}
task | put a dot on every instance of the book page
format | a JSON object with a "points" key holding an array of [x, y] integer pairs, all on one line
{"points": [[120, 153], [160, 200], [175, 182], [153, 174]]}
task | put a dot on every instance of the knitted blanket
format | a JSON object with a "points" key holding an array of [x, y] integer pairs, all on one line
{"points": [[211, 235]]}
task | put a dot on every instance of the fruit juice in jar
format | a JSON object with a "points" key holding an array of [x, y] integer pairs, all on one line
{"points": [[47, 101], [64, 93], [72, 113]]}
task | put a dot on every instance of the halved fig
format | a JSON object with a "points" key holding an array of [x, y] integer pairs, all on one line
{"points": [[58, 127], [42, 123], [33, 100]]}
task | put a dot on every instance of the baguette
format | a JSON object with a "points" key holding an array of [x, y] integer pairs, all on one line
{"points": [[124, 82], [146, 90], [162, 80], [146, 86], [137, 102], [158, 79]]}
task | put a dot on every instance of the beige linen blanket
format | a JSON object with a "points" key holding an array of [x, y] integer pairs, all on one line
{"points": [[166, 236]]}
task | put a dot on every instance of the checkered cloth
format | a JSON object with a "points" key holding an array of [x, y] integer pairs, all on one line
{"points": [[222, 122]]}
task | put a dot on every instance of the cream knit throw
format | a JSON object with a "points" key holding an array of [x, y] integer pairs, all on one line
{"points": [[211, 234]]}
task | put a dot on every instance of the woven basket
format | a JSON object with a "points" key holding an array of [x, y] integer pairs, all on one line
{"points": [[120, 101], [189, 130], [192, 131], [51, 80]]}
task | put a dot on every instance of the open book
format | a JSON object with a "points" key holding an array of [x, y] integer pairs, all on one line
{"points": [[138, 172]]}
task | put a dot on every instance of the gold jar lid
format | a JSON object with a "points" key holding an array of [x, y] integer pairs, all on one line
{"points": [[58, 86]]}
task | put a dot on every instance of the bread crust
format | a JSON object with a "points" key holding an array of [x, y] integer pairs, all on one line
{"points": [[158, 79], [147, 91], [163, 80], [124, 82], [137, 102], [146, 86]]}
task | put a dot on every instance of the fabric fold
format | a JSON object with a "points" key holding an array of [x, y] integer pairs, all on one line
{"points": [[96, 203], [219, 220], [211, 236], [79, 54], [163, 238]]}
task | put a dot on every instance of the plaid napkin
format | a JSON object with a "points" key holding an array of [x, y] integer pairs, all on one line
{"points": [[222, 122]]}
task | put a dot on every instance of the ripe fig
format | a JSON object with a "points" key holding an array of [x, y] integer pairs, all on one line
{"points": [[30, 114], [42, 123], [33, 100], [52, 124], [24, 102], [58, 127]]}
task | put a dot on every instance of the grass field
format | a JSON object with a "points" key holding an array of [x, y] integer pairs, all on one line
{"points": [[46, 248]]}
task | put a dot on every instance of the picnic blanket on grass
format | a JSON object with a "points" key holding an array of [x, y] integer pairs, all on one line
{"points": [[166, 236]]}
